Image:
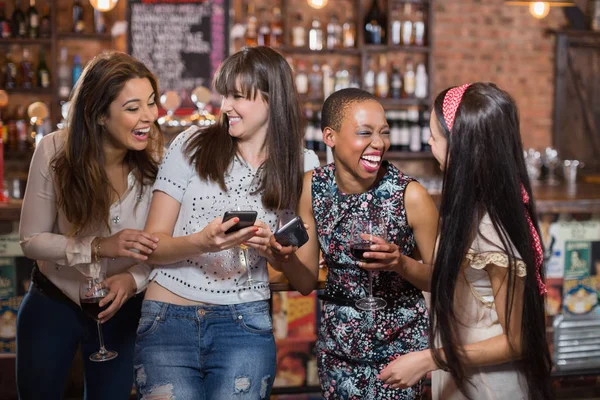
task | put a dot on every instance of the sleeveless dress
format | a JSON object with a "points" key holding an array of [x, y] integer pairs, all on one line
{"points": [[353, 346]]}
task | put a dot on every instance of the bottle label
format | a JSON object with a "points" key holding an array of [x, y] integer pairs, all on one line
{"points": [[44, 79], [34, 21]]}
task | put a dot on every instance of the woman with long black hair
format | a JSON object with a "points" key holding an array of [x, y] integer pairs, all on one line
{"points": [[487, 325]]}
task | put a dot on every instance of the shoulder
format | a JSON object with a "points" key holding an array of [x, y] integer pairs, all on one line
{"points": [[183, 137], [311, 160], [52, 143]]}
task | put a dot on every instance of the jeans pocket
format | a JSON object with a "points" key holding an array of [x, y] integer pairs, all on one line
{"points": [[147, 325], [257, 322]]}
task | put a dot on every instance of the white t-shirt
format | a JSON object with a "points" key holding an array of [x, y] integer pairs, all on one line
{"points": [[214, 277]]}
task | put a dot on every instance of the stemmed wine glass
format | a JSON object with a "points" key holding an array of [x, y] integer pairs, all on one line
{"points": [[362, 233], [91, 292], [244, 254]]}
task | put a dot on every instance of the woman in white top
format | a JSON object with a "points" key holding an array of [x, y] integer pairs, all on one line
{"points": [[487, 330], [87, 199], [205, 332]]}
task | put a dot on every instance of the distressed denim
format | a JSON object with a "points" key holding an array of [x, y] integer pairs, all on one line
{"points": [[208, 352]]}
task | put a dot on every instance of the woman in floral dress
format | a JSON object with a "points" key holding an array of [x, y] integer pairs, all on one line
{"points": [[355, 345]]}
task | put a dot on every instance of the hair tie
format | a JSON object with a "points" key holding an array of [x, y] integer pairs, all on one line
{"points": [[451, 102], [536, 244]]}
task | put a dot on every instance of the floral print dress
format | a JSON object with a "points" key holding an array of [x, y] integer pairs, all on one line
{"points": [[354, 346]]}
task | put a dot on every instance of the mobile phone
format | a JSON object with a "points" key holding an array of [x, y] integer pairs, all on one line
{"points": [[247, 218], [292, 234]]}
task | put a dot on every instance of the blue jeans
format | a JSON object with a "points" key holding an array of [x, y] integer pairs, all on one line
{"points": [[212, 352], [49, 332]]}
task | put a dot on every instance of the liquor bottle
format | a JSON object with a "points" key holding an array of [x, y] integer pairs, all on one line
{"points": [[334, 33], [276, 29], [374, 25], [99, 22], [421, 82], [404, 133], [425, 131], [19, 22], [298, 32], [251, 36], [382, 84], [369, 78], [396, 27], [315, 35], [392, 118], [309, 142], [77, 69], [328, 80], [26, 68], [315, 82], [264, 30], [22, 129], [415, 130], [301, 79], [45, 23], [5, 30], [407, 26], [349, 32], [64, 76], [43, 74], [342, 78], [419, 27], [354, 77], [396, 82], [10, 74], [317, 133], [77, 15], [409, 80], [33, 21]]}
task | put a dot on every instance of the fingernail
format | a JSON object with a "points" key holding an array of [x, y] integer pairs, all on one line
{"points": [[255, 229], [156, 239], [154, 246], [236, 219], [385, 385]]}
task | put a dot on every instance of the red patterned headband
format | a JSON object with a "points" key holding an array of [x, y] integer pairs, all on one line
{"points": [[451, 101]]}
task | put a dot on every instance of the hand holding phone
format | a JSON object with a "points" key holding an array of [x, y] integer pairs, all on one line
{"points": [[246, 219], [292, 234]]}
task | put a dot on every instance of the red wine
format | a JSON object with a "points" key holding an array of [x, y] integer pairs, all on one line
{"points": [[92, 307], [358, 250]]}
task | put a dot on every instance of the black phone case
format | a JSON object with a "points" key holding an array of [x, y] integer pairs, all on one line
{"points": [[247, 218], [292, 234]]}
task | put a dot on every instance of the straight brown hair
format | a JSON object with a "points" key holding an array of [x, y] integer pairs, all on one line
{"points": [[253, 70], [82, 187]]}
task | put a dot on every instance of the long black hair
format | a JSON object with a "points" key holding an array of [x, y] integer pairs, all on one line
{"points": [[483, 172]]}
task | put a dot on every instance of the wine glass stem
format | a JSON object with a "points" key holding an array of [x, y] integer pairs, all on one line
{"points": [[370, 275], [245, 251], [102, 348]]}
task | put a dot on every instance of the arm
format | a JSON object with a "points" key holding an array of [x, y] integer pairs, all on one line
{"points": [[162, 217], [302, 266], [406, 370]]}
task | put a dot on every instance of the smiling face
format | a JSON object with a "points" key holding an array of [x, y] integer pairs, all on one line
{"points": [[248, 117], [438, 141], [131, 116], [362, 140]]}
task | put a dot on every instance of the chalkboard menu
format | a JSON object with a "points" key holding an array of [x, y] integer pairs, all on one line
{"points": [[181, 41]]}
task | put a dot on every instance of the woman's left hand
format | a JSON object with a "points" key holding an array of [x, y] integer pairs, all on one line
{"points": [[406, 370], [121, 287], [260, 240], [382, 256]]}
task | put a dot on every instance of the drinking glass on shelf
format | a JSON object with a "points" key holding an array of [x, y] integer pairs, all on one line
{"points": [[362, 233], [91, 292]]}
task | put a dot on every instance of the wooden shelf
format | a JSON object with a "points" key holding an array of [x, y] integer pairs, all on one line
{"points": [[306, 50], [84, 36], [34, 91], [26, 41], [396, 48]]}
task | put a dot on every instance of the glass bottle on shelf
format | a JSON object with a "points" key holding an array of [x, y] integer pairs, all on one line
{"points": [[276, 29], [317, 133], [382, 84], [328, 80], [308, 130], [99, 22], [43, 73], [334, 33], [396, 27], [394, 124], [251, 36], [77, 69], [425, 131], [374, 25], [26, 70], [301, 79], [396, 82], [409, 79], [5, 31], [419, 27], [354, 77], [22, 129], [315, 82], [45, 23], [421, 82], [404, 132], [349, 32], [264, 29], [19, 22], [342, 77], [415, 130], [315, 35], [64, 76], [33, 21], [10, 74], [77, 15], [407, 25], [298, 32], [369, 78]]}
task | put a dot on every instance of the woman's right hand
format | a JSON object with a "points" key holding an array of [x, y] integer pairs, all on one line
{"points": [[122, 244], [213, 238], [278, 252]]}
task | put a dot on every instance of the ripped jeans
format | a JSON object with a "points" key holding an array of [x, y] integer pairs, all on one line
{"points": [[212, 352]]}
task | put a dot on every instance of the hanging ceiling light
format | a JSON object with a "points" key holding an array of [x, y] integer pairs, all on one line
{"points": [[317, 3], [540, 9], [103, 5]]}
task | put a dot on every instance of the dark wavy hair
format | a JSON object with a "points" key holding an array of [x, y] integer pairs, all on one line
{"points": [[257, 69], [83, 189], [483, 173]]}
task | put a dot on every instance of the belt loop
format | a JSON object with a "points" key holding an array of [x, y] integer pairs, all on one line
{"points": [[163, 311], [234, 312]]}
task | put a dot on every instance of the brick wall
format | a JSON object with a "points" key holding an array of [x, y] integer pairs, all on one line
{"points": [[477, 40]]}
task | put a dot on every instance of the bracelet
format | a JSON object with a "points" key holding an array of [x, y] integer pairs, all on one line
{"points": [[97, 250]]}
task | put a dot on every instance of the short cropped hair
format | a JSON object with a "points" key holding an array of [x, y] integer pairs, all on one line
{"points": [[335, 107]]}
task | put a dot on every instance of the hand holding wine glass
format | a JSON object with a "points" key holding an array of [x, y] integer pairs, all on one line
{"points": [[91, 293], [364, 233]]}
